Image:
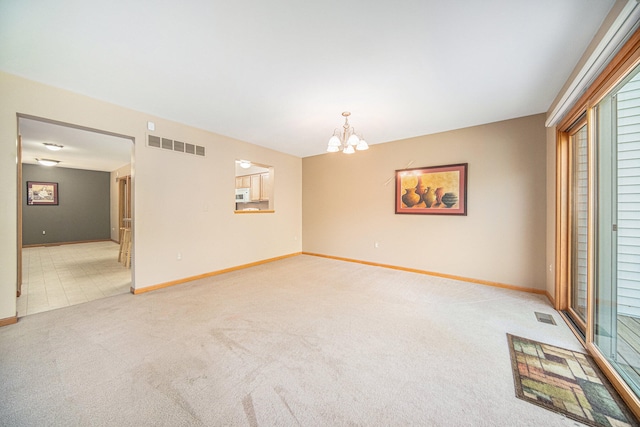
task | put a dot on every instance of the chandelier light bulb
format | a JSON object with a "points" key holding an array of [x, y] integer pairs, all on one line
{"points": [[349, 150], [362, 145], [353, 140], [334, 141]]}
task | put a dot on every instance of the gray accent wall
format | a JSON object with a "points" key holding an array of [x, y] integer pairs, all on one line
{"points": [[83, 210]]}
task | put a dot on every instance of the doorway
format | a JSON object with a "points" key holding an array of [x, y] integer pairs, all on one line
{"points": [[69, 248]]}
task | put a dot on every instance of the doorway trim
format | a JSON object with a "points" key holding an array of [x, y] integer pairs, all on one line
{"points": [[20, 190], [19, 194]]}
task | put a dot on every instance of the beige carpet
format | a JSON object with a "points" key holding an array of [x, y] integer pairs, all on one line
{"points": [[302, 341]]}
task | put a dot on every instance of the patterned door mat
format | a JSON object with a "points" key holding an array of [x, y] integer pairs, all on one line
{"points": [[567, 382]]}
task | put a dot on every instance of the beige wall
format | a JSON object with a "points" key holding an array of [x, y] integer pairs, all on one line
{"points": [[181, 203], [348, 205]]}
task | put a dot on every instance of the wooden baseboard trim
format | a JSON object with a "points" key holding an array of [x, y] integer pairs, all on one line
{"points": [[212, 273], [65, 243], [552, 300], [9, 320], [431, 273]]}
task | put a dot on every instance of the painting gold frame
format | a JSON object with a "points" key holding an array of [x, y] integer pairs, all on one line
{"points": [[432, 190]]}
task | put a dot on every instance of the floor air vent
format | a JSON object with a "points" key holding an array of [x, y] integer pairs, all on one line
{"points": [[169, 144], [545, 318]]}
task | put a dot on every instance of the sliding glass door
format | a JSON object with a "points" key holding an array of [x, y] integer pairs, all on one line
{"points": [[617, 234], [598, 220], [579, 178]]}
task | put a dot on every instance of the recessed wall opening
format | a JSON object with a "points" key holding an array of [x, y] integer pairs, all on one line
{"points": [[77, 246], [254, 187]]}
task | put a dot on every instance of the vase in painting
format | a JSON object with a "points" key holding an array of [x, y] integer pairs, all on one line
{"points": [[439, 193], [420, 188], [449, 199], [429, 197], [410, 198]]}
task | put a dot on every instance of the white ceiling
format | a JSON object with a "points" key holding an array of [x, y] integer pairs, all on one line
{"points": [[82, 149], [279, 73]]}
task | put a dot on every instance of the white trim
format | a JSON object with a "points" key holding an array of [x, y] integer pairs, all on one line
{"points": [[624, 25]]}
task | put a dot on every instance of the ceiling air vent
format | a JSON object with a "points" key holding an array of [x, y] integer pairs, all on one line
{"points": [[170, 144]]}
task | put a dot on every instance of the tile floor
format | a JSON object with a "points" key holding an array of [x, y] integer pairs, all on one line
{"points": [[60, 276]]}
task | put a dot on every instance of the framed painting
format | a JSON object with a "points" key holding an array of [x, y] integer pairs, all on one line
{"points": [[433, 190], [42, 193]]}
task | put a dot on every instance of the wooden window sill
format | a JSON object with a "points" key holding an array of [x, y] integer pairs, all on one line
{"points": [[254, 212]]}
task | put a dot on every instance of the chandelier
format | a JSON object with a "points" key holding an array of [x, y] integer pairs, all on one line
{"points": [[346, 140]]}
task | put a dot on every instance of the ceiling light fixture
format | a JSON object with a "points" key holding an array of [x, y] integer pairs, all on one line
{"points": [[53, 147], [48, 162], [245, 164], [347, 140]]}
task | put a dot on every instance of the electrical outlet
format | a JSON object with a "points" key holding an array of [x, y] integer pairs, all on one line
{"points": [[376, 245], [179, 256], [550, 268], [44, 232]]}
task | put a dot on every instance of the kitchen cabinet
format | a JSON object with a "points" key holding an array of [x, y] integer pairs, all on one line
{"points": [[255, 187], [243, 181], [259, 185], [265, 186]]}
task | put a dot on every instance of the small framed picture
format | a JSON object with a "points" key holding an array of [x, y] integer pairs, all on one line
{"points": [[433, 190], [42, 193]]}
